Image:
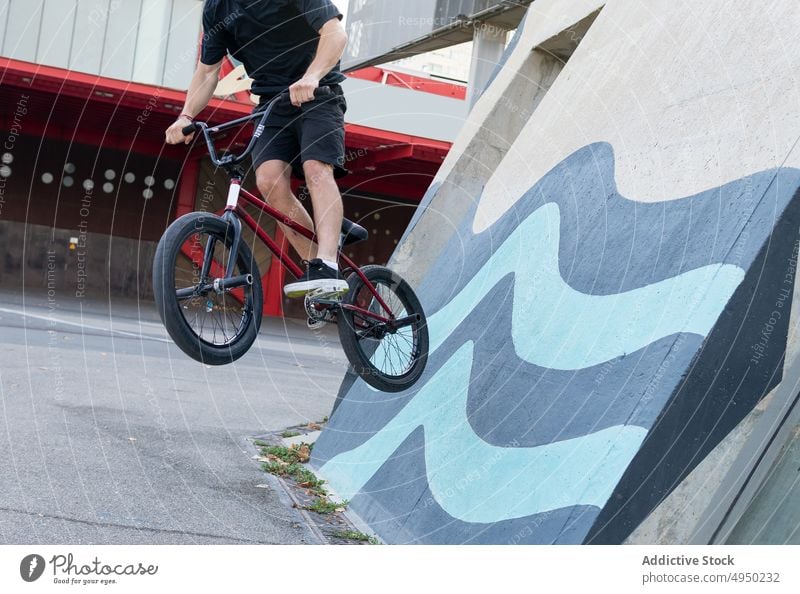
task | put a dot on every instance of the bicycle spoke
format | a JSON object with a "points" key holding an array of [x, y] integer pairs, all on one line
{"points": [[399, 355], [215, 318], [387, 356], [394, 353], [232, 321]]}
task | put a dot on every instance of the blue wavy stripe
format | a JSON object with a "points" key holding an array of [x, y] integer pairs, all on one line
{"points": [[615, 276], [513, 482], [557, 327], [609, 244]]}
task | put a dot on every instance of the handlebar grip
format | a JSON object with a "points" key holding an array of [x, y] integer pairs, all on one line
{"points": [[189, 129]]}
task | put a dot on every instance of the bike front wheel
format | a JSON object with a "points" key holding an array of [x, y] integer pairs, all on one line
{"points": [[213, 325], [388, 358]]}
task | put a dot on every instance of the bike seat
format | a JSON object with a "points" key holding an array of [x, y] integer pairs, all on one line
{"points": [[353, 233]]}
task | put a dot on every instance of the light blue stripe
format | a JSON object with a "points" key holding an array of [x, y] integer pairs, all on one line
{"points": [[553, 326], [557, 327], [474, 481]]}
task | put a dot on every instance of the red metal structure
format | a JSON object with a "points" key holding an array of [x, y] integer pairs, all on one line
{"points": [[426, 84], [130, 117]]}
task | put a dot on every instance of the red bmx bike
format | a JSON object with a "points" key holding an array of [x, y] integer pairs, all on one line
{"points": [[209, 294]]}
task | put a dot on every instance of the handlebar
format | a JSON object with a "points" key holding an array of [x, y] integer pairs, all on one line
{"points": [[231, 159]]}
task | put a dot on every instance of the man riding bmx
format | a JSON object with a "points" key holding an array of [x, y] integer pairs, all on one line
{"points": [[294, 45]]}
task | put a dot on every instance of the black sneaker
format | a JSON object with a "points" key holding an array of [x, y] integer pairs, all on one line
{"points": [[319, 278]]}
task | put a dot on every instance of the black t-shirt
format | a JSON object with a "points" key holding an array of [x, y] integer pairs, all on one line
{"points": [[276, 40]]}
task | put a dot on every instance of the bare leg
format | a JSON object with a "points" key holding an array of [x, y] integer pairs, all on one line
{"points": [[328, 210], [273, 180]]}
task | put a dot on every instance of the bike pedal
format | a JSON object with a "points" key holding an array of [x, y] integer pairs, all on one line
{"points": [[325, 295], [313, 324]]}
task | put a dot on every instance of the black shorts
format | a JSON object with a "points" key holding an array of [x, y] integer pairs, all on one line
{"points": [[312, 132]]}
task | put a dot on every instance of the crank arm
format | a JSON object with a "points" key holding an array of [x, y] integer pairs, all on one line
{"points": [[219, 285], [403, 322]]}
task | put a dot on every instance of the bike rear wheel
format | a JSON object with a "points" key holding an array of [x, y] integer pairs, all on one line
{"points": [[390, 360], [210, 325]]}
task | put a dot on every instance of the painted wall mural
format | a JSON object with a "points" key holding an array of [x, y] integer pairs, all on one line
{"points": [[588, 350]]}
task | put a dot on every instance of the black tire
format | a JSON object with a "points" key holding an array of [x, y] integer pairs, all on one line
{"points": [[238, 311], [372, 357]]}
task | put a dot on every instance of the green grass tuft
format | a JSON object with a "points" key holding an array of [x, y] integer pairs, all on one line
{"points": [[304, 477], [323, 505], [352, 535]]}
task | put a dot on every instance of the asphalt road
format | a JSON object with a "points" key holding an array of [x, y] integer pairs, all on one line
{"points": [[111, 435]]}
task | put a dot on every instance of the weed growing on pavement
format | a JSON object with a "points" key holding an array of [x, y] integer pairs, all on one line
{"points": [[288, 462], [355, 535], [323, 505], [287, 434], [297, 453], [304, 477]]}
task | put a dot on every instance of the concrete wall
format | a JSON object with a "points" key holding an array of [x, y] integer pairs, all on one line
{"points": [[52, 193], [99, 266], [145, 41], [773, 516], [608, 263]]}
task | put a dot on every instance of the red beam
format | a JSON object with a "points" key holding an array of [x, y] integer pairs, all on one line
{"points": [[358, 135], [406, 80], [410, 187], [274, 278], [94, 137], [373, 157], [38, 78], [187, 188]]}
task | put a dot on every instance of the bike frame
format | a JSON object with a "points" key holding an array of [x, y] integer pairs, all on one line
{"points": [[237, 195], [234, 213]]}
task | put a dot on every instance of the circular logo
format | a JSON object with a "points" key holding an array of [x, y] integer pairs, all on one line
{"points": [[31, 568]]}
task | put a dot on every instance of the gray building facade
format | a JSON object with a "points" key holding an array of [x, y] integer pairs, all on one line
{"points": [[377, 26]]}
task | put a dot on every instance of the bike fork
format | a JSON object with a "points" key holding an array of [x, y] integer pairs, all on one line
{"points": [[234, 227], [230, 218]]}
